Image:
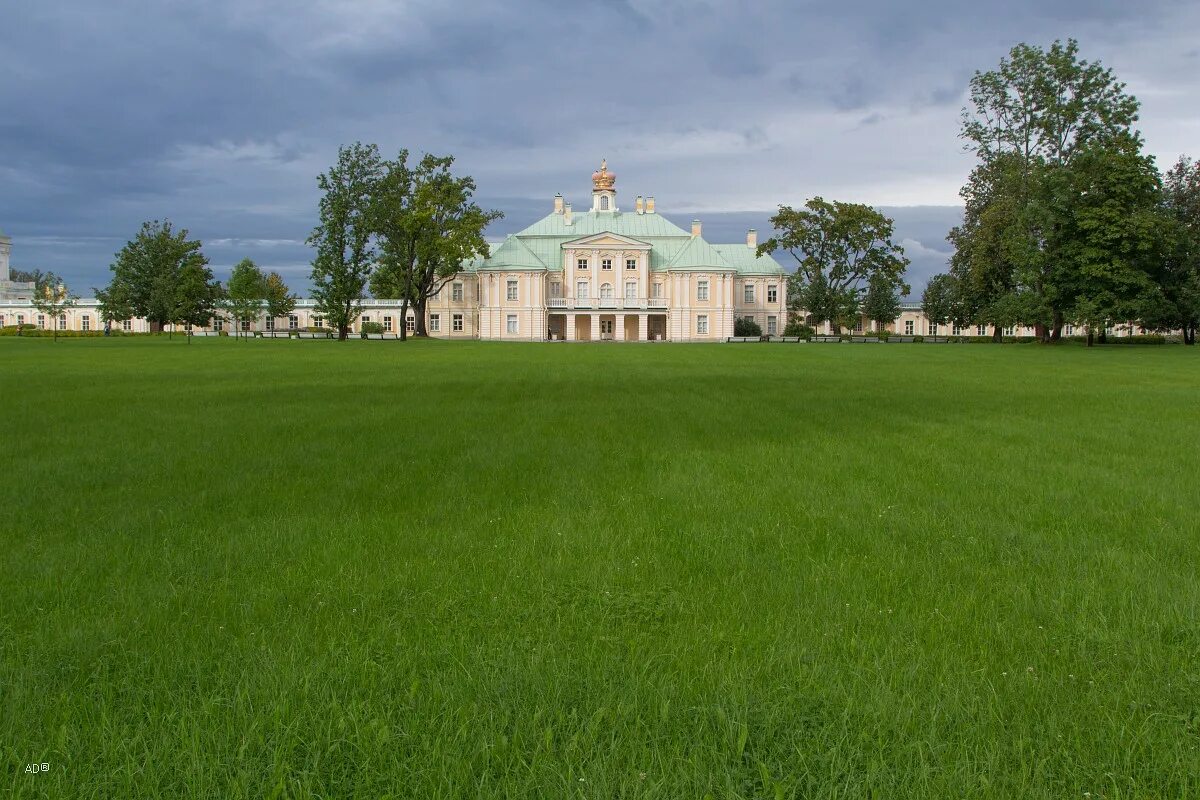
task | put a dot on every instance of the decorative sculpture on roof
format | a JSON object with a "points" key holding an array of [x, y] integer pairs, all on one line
{"points": [[603, 180]]}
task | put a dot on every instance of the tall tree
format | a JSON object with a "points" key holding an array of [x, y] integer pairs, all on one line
{"points": [[1042, 114], [428, 225], [838, 248], [280, 301], [245, 295], [1178, 305], [51, 297], [882, 303], [146, 274], [196, 296], [345, 237]]}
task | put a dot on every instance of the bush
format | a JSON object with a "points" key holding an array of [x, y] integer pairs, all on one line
{"points": [[317, 329], [796, 327], [746, 327], [372, 327]]}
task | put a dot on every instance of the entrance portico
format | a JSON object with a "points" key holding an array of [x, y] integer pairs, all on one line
{"points": [[604, 327]]}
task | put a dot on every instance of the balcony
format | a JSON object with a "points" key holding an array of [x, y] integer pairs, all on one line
{"points": [[604, 303]]}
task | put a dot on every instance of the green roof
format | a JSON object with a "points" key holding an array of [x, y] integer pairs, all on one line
{"points": [[697, 254], [539, 247]]}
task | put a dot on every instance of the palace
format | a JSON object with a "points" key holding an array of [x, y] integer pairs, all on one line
{"points": [[600, 274]]}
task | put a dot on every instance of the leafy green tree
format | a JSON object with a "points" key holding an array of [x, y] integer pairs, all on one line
{"points": [[1178, 275], [838, 248], [940, 299], [196, 296], [146, 274], [882, 303], [345, 236], [1041, 115], [280, 301], [428, 225], [245, 296], [51, 297]]}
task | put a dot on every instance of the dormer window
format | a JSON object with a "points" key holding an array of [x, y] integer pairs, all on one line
{"points": [[582, 263]]}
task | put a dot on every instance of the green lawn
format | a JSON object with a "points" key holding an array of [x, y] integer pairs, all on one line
{"points": [[434, 570]]}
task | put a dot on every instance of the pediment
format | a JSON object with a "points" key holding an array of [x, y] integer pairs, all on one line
{"points": [[606, 239]]}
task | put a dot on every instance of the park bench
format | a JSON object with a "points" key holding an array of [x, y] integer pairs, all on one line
{"points": [[742, 339], [865, 339], [391, 337], [936, 340], [827, 339], [793, 340], [204, 333], [311, 335], [372, 336], [274, 335], [901, 339]]}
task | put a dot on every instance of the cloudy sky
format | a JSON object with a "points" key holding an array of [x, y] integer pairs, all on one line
{"points": [[220, 114]]}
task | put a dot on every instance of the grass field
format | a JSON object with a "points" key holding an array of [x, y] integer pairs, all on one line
{"points": [[434, 570]]}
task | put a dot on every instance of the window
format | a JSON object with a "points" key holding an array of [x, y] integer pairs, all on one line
{"points": [[512, 323], [410, 324], [606, 328], [581, 290], [87, 322], [631, 290], [748, 293], [316, 321], [772, 325], [270, 323], [435, 323], [581, 263], [1, 320], [366, 318], [556, 289], [606, 291], [387, 324], [127, 325], [933, 326], [657, 291], [702, 293], [956, 330], [908, 327], [456, 322], [606, 263], [62, 322], [511, 289], [220, 323], [42, 321], [1070, 330], [858, 325], [772, 293], [631, 263], [245, 324], [981, 330], [293, 322], [1010, 331], [456, 292], [604, 203], [702, 324], [21, 320]]}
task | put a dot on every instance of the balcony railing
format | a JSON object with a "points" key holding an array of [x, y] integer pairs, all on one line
{"points": [[584, 303]]}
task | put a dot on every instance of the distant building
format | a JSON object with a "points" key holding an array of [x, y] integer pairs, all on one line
{"points": [[11, 290]]}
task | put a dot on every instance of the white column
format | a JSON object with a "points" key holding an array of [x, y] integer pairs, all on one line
{"points": [[619, 328], [595, 318], [643, 327], [569, 327]]}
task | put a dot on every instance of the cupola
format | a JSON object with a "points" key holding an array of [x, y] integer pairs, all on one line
{"points": [[604, 193]]}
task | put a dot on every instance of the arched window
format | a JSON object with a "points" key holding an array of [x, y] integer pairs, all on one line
{"points": [[606, 291], [604, 202]]}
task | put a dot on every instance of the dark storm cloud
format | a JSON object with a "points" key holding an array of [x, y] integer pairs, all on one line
{"points": [[219, 115]]}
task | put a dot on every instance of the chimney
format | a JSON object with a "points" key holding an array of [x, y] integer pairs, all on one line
{"points": [[752, 239], [650, 204], [558, 203], [695, 228], [567, 219], [638, 204]]}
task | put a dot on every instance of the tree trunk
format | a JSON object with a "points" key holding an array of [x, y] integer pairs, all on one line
{"points": [[419, 314], [1103, 336], [1189, 334], [1056, 333], [404, 320], [997, 333], [1091, 337], [343, 332]]}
